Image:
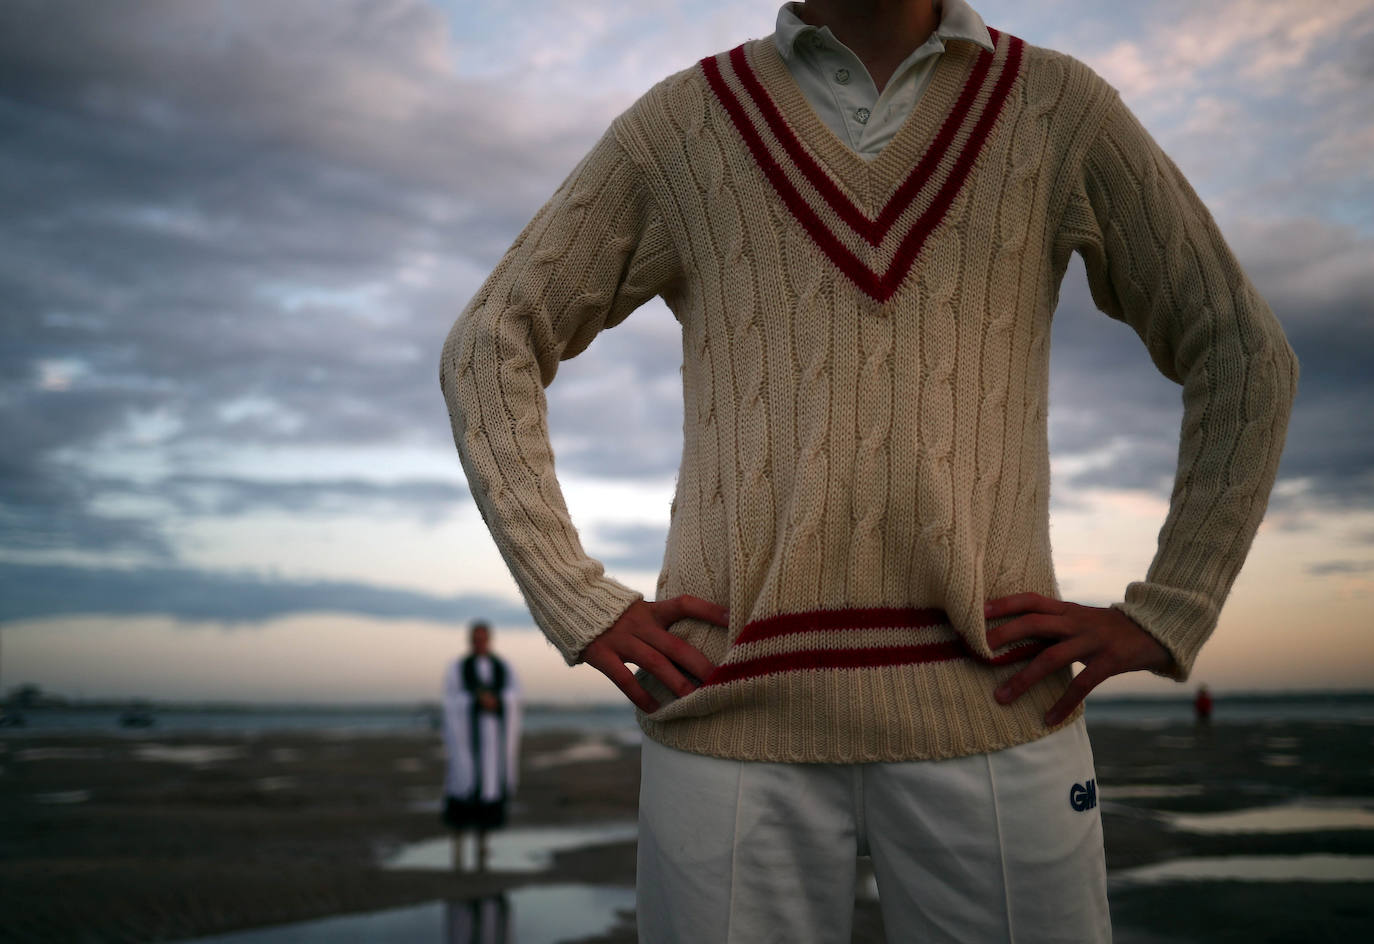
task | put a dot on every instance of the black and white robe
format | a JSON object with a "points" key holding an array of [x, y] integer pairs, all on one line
{"points": [[482, 746]]}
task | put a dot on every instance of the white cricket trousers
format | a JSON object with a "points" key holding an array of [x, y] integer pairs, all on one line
{"points": [[1005, 846]]}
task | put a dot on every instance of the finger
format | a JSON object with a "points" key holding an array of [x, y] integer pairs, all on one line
{"points": [[684, 654], [1093, 675], [1021, 603], [686, 606], [1030, 626], [624, 679], [659, 666], [1051, 660]]}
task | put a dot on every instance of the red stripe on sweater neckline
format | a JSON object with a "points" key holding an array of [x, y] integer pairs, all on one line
{"points": [[879, 286], [872, 230]]}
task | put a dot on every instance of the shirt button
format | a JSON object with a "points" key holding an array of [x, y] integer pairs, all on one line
{"points": [[842, 76], [861, 115], [815, 40]]}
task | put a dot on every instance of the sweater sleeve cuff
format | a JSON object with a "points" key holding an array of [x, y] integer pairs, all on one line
{"points": [[1179, 620], [578, 621]]}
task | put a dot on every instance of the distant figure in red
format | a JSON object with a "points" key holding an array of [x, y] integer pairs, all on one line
{"points": [[1202, 706]]}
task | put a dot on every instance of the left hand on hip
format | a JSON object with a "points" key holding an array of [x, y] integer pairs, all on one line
{"points": [[1106, 641]]}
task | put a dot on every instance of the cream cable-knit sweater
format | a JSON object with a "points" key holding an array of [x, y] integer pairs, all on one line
{"points": [[865, 361]]}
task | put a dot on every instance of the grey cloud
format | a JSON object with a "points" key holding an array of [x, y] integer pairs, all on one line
{"points": [[208, 204], [31, 590], [1105, 392], [1317, 279], [45, 506], [228, 495], [631, 546], [370, 86], [1270, 128], [1362, 64], [66, 525], [615, 411]]}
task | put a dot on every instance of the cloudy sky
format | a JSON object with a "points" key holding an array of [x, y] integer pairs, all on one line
{"points": [[235, 234]]}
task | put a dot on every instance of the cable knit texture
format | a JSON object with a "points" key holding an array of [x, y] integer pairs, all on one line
{"points": [[865, 371]]}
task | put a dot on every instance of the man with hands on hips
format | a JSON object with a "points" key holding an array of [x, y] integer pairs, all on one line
{"points": [[861, 223]]}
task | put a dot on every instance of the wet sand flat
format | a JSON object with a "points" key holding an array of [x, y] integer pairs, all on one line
{"points": [[172, 838]]}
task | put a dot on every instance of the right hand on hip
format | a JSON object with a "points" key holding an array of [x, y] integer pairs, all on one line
{"points": [[641, 636]]}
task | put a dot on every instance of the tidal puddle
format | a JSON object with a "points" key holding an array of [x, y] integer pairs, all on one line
{"points": [[518, 849], [537, 915], [63, 797], [60, 753], [579, 753], [1288, 818], [194, 754], [1298, 868]]}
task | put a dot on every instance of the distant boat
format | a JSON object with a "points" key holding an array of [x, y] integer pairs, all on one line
{"points": [[136, 718], [11, 719]]}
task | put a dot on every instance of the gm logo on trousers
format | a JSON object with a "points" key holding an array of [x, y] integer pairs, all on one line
{"points": [[1083, 796]]}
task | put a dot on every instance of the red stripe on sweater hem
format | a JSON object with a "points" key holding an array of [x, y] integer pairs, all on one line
{"points": [[861, 658], [787, 624]]}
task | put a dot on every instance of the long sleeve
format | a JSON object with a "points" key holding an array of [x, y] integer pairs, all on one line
{"points": [[595, 252], [1156, 260]]}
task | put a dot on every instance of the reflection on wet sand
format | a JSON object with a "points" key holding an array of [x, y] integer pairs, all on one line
{"points": [[479, 921], [1279, 868], [545, 914], [1310, 816], [517, 849]]}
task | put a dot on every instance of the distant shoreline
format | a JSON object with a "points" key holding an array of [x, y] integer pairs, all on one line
{"points": [[153, 704], [146, 718]]}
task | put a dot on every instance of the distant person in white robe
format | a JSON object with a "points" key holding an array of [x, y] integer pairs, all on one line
{"points": [[482, 740]]}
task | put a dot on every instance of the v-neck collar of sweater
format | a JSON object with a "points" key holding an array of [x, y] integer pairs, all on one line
{"points": [[844, 201], [906, 147]]}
